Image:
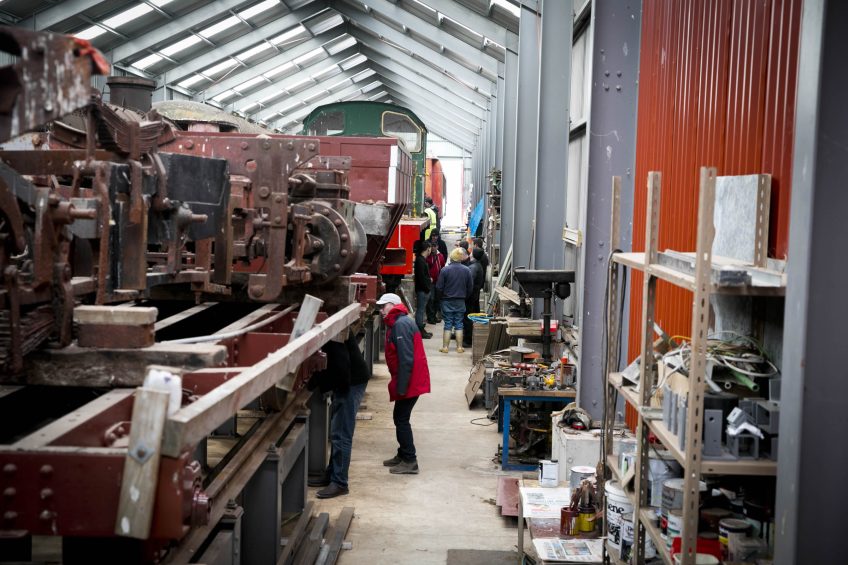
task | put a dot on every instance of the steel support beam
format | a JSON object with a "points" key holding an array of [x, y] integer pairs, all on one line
{"points": [[243, 74], [424, 74], [611, 109], [501, 120], [527, 141], [448, 116], [435, 121], [552, 164], [172, 29], [471, 19], [242, 43], [472, 120], [330, 85], [284, 122], [437, 65], [58, 13], [282, 86], [810, 492], [416, 26], [509, 149], [408, 43]]}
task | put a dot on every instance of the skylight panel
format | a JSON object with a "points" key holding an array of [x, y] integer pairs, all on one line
{"points": [[358, 77], [326, 73], [268, 97], [258, 9], [323, 24], [299, 84], [252, 52], [289, 35], [335, 46], [180, 45], [147, 61], [371, 86], [251, 83], [127, 16], [90, 32], [220, 67], [229, 93], [190, 81], [287, 66], [219, 27], [309, 58], [354, 61], [249, 107]]}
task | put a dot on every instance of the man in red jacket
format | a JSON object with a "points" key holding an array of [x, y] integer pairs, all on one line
{"points": [[407, 364]]}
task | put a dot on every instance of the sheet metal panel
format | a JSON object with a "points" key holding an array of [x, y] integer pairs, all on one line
{"points": [[717, 87]]}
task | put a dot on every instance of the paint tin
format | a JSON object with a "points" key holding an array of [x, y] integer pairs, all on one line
{"points": [[729, 531], [568, 522], [675, 526], [586, 519], [660, 468], [578, 474], [672, 499], [548, 473], [618, 508]]}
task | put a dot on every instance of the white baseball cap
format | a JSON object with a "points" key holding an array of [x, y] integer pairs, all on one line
{"points": [[389, 298]]}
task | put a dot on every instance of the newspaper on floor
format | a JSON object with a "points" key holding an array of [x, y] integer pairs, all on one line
{"points": [[544, 502], [570, 550]]}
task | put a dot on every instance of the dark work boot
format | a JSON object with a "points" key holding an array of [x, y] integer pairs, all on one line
{"points": [[405, 468], [318, 480], [424, 333], [332, 491], [392, 462]]}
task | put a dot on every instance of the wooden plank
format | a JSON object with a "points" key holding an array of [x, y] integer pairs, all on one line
{"points": [[249, 319], [141, 465], [508, 496], [79, 366], [195, 421], [6, 390], [310, 548], [297, 534], [339, 533], [120, 315], [112, 336], [185, 314], [78, 417]]}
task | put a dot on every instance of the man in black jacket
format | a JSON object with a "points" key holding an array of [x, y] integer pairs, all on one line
{"points": [[347, 376], [423, 283], [472, 302]]}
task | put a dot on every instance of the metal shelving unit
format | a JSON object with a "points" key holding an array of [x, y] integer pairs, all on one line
{"points": [[701, 285]]}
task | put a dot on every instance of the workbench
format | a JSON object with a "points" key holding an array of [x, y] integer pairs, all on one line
{"points": [[508, 395]]}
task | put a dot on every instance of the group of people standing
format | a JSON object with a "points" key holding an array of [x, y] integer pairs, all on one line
{"points": [[449, 291]]}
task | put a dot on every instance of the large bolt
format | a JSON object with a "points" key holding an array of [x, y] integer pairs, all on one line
{"points": [[9, 468], [46, 470], [45, 516], [10, 515], [264, 192], [344, 237], [189, 144], [278, 198], [311, 147], [290, 146], [278, 220], [344, 252], [244, 145], [46, 493], [337, 223], [9, 492]]}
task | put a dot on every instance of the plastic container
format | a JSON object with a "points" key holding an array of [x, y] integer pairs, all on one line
{"points": [[675, 526], [618, 508]]}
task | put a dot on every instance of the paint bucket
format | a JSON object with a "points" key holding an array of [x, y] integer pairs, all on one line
{"points": [[700, 559], [586, 519], [675, 526], [618, 508], [730, 530], [548, 473], [626, 538], [710, 517], [578, 474], [568, 522], [672, 499], [660, 469]]}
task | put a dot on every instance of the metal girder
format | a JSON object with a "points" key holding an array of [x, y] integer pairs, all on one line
{"points": [[273, 111], [419, 26], [172, 29], [298, 115], [410, 44], [242, 76], [57, 14], [424, 73], [460, 119], [442, 94], [467, 17], [440, 65], [242, 43], [282, 86]]}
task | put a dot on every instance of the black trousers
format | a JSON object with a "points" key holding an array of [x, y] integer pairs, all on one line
{"points": [[403, 429]]}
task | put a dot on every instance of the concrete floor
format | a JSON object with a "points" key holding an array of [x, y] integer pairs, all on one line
{"points": [[450, 504]]}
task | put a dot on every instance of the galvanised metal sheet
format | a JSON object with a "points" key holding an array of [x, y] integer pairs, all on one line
{"points": [[717, 88]]}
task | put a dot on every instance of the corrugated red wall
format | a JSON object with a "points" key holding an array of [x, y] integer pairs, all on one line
{"points": [[717, 84]]}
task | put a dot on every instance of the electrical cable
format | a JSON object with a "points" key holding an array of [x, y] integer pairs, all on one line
{"points": [[474, 421]]}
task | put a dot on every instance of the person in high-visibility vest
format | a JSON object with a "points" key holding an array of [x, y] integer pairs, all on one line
{"points": [[431, 214]]}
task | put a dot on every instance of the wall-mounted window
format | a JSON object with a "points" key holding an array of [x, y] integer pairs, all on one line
{"points": [[328, 123], [403, 128]]}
